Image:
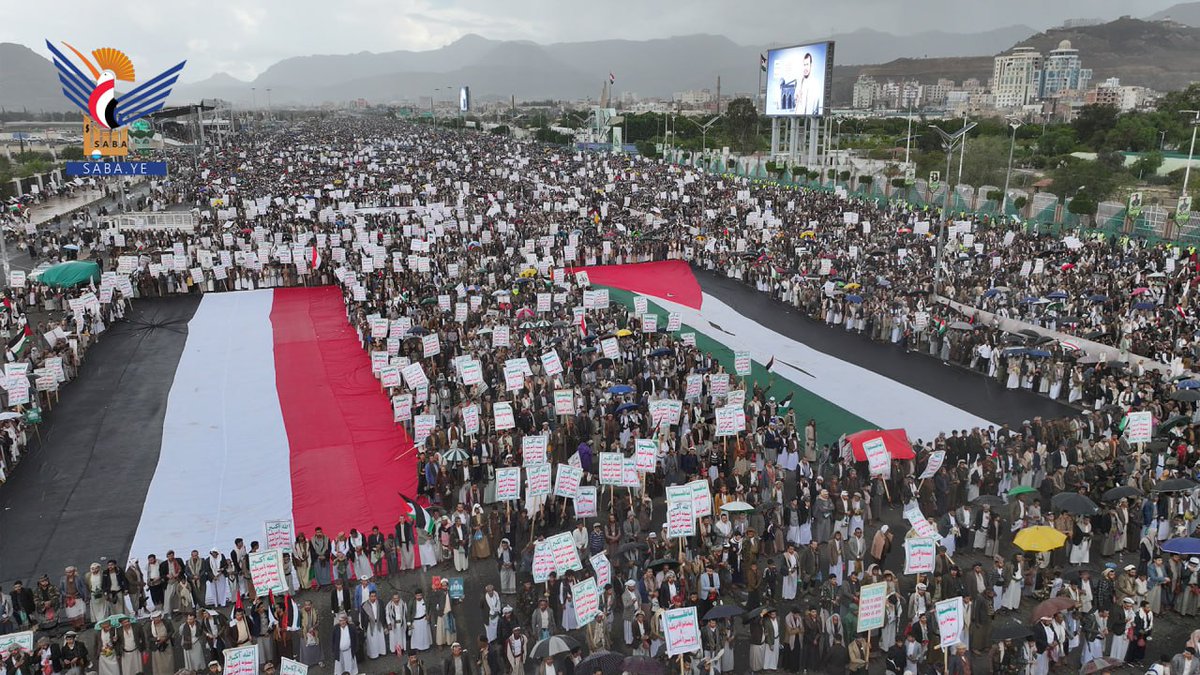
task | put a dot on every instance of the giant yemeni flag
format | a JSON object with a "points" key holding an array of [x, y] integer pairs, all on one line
{"points": [[273, 413]]}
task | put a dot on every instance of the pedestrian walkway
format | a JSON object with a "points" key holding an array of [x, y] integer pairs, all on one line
{"points": [[58, 206]]}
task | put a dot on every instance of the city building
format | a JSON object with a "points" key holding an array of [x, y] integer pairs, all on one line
{"points": [[694, 98], [866, 91], [1016, 77], [1062, 73], [1124, 98]]}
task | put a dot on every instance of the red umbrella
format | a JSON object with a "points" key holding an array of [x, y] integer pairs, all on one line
{"points": [[895, 440]]}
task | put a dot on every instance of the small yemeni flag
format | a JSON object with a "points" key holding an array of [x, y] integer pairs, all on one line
{"points": [[19, 343], [762, 62], [583, 325], [421, 518], [314, 260], [612, 79], [527, 340]]}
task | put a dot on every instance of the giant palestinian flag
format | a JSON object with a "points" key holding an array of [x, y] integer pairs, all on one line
{"points": [[843, 381]]}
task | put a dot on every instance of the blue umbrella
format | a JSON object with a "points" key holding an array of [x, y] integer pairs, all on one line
{"points": [[1041, 353], [1057, 295], [1182, 546], [625, 406], [1028, 300], [1143, 305], [1015, 351], [991, 293], [856, 299], [1188, 384], [418, 330], [620, 389], [661, 351], [1098, 298]]}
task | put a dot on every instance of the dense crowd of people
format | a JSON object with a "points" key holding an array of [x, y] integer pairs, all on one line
{"points": [[402, 216]]}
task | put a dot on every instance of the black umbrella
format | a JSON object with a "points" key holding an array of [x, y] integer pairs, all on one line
{"points": [[608, 663], [1188, 395], [1010, 630], [1155, 446], [1172, 422], [993, 501], [757, 612], [602, 362], [1073, 502], [1073, 574], [1121, 492], [632, 546], [1174, 485], [723, 612], [553, 646], [641, 665], [661, 562]]}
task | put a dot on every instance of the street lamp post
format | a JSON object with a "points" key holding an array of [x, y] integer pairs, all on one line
{"points": [[949, 141], [1015, 124], [1187, 171]]}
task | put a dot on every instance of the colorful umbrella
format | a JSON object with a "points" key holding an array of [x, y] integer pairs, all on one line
{"points": [[1039, 538]]}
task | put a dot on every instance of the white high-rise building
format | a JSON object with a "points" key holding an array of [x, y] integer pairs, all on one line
{"points": [[1063, 72], [1016, 77]]}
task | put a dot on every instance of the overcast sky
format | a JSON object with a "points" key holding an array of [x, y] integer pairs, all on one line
{"points": [[244, 37]]}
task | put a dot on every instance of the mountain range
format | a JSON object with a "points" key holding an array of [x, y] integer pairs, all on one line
{"points": [[1155, 52]]}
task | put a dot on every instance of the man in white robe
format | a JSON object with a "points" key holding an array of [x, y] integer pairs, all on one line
{"points": [[370, 621], [491, 606], [343, 645], [420, 634], [771, 641], [396, 617]]}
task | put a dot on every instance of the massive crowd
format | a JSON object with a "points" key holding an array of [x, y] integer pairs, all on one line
{"points": [[397, 215]]}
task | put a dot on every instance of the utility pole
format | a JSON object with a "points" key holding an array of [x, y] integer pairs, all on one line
{"points": [[1015, 124], [1187, 171], [948, 143]]}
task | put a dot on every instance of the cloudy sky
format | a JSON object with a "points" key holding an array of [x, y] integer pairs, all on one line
{"points": [[244, 37]]}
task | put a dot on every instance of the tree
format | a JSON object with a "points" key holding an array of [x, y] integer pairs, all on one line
{"points": [[1147, 165], [1093, 123], [1082, 205], [1058, 140], [71, 153], [1133, 132], [985, 161], [1076, 177], [740, 120]]}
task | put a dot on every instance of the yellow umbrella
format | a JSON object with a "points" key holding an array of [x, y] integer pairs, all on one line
{"points": [[808, 234], [528, 272], [1039, 539], [853, 286], [624, 332]]}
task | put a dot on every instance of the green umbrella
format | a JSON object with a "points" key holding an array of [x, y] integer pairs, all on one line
{"points": [[429, 301], [1021, 490], [70, 274]]}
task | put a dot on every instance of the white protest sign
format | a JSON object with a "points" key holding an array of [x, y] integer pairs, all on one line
{"points": [[502, 413], [290, 667], [533, 449], [537, 479], [22, 640], [879, 461], [266, 571], [241, 661], [564, 402], [701, 498], [936, 458], [508, 484], [551, 363], [950, 620], [730, 420], [585, 502], [681, 629], [603, 569], [586, 597], [741, 363], [1139, 427], [680, 521], [919, 555], [566, 483], [543, 561], [610, 468], [872, 599], [279, 534]]}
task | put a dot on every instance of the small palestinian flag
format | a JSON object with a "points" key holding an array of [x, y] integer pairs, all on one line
{"points": [[786, 402], [941, 325], [19, 343], [762, 62], [612, 79], [421, 518]]}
